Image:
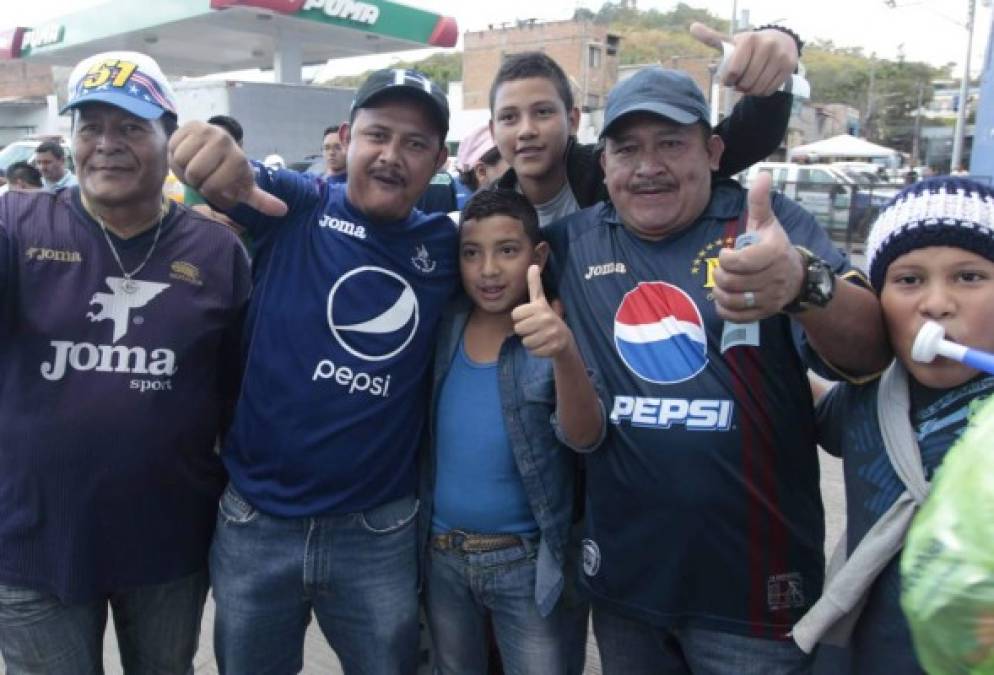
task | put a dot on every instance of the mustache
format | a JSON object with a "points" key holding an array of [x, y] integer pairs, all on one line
{"points": [[388, 175], [652, 185]]}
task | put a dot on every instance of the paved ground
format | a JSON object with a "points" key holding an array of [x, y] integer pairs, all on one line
{"points": [[319, 659]]}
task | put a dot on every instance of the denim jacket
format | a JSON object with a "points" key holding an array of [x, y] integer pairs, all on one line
{"points": [[547, 463]]}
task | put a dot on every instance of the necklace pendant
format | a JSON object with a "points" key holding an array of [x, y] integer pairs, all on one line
{"points": [[129, 285]]}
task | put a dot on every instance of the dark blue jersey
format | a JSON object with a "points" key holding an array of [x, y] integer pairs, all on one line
{"points": [[703, 503], [112, 395], [849, 427], [339, 339]]}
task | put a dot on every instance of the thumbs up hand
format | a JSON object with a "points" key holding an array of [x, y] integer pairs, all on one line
{"points": [[542, 329], [762, 60], [755, 282]]}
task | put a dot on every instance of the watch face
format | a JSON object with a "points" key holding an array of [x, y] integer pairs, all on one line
{"points": [[822, 280], [819, 284]]}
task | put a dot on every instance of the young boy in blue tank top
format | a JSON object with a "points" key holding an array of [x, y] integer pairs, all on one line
{"points": [[498, 502], [931, 258]]}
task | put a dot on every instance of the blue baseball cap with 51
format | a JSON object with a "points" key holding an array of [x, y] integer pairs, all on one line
{"points": [[661, 91], [128, 80]]}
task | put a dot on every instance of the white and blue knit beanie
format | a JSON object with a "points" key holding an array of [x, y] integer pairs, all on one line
{"points": [[940, 211]]}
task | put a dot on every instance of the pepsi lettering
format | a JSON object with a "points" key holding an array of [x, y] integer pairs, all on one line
{"points": [[353, 381], [700, 414]]}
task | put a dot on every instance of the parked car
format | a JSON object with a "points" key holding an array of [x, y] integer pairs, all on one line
{"points": [[844, 204]]}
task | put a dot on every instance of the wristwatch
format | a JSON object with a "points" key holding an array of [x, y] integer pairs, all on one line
{"points": [[818, 285]]}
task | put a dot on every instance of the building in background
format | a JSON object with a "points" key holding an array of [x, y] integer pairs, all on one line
{"points": [[27, 101], [587, 52]]}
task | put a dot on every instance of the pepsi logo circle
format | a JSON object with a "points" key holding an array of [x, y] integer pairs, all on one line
{"points": [[372, 313], [659, 334]]}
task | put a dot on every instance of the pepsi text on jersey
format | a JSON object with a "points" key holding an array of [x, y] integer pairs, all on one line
{"points": [[659, 335]]}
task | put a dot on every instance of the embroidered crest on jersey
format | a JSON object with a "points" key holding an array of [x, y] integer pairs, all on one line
{"points": [[706, 262], [184, 271], [785, 591], [422, 261]]}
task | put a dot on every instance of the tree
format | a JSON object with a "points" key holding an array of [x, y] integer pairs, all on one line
{"points": [[884, 91]]}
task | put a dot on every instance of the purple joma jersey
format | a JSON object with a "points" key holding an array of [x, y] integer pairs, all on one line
{"points": [[112, 395]]}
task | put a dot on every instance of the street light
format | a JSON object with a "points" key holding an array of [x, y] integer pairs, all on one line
{"points": [[963, 93], [958, 133]]}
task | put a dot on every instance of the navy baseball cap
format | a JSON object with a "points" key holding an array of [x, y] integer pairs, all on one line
{"points": [[405, 80], [128, 80], [661, 91]]}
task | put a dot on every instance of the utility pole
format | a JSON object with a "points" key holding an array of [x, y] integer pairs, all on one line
{"points": [[963, 93], [870, 103], [916, 139]]}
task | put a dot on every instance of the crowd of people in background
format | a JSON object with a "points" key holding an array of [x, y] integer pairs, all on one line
{"points": [[583, 398]]}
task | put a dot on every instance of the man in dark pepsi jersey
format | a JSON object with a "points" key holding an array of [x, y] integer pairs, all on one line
{"points": [[120, 325], [350, 282], [704, 523]]}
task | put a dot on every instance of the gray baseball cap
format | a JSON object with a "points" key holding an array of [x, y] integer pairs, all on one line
{"points": [[668, 93]]}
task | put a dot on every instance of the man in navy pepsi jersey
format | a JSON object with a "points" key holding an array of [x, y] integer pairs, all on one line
{"points": [[120, 324], [704, 532], [350, 282]]}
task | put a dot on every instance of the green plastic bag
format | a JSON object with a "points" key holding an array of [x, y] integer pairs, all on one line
{"points": [[947, 568]]}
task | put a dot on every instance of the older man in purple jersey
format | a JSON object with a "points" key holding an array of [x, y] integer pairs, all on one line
{"points": [[119, 366]]}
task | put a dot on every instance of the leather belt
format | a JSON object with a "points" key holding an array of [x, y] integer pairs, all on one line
{"points": [[467, 542]]}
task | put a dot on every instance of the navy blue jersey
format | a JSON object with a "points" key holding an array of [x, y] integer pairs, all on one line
{"points": [[849, 427], [112, 396], [340, 333], [703, 505]]}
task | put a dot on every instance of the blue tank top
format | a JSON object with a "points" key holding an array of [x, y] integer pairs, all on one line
{"points": [[478, 486]]}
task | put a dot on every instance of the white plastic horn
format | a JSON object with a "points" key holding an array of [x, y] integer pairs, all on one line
{"points": [[930, 342]]}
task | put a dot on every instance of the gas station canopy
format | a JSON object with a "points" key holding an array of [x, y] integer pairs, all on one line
{"points": [[199, 37]]}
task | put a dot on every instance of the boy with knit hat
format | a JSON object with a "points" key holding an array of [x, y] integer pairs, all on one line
{"points": [[931, 258]]}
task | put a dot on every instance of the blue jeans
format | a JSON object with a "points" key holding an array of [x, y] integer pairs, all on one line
{"points": [[630, 647], [158, 628], [357, 572], [463, 588]]}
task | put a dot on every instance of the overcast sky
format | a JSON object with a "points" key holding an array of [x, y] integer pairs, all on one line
{"points": [[925, 30]]}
